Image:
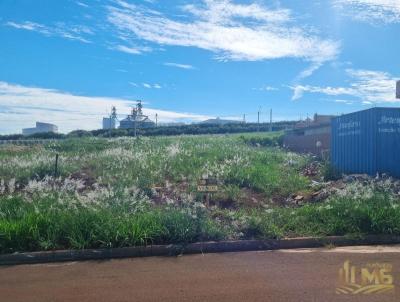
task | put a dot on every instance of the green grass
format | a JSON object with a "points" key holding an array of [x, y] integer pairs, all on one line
{"points": [[378, 214], [45, 224], [106, 194], [149, 162]]}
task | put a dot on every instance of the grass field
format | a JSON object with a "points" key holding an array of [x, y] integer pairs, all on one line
{"points": [[124, 192]]}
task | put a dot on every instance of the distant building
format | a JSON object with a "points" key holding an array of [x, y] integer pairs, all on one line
{"points": [[40, 128], [316, 121], [310, 136], [129, 123], [109, 123], [136, 119], [218, 121], [320, 119]]}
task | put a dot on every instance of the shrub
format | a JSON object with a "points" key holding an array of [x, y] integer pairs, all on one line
{"points": [[269, 141], [46, 135], [79, 133], [329, 172]]}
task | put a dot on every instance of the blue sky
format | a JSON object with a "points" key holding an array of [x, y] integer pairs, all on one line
{"points": [[69, 61]]}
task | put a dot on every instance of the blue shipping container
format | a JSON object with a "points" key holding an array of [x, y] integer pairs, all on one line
{"points": [[367, 141]]}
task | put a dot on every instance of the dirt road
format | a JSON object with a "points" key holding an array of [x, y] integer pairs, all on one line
{"points": [[291, 275]]}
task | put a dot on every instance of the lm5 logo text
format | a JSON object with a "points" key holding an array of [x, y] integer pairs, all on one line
{"points": [[372, 278]]}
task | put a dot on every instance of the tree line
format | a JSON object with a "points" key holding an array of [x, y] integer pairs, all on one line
{"points": [[191, 129]]}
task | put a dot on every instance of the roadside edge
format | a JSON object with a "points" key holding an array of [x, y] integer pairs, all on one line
{"points": [[193, 248]]}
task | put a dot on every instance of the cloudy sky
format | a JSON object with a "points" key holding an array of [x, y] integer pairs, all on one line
{"points": [[69, 61]]}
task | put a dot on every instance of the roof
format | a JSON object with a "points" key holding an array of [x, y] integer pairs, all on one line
{"points": [[140, 119], [369, 109], [310, 127], [44, 124]]}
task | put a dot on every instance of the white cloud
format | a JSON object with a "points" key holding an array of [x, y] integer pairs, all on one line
{"points": [[62, 30], [347, 102], [374, 86], [232, 31], [367, 86], [133, 50], [309, 71], [266, 88], [223, 11], [150, 86], [298, 92], [334, 91], [177, 65], [32, 26], [82, 4], [386, 11], [22, 106]]}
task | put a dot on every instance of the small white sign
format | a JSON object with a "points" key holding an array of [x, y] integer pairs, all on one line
{"points": [[207, 189]]}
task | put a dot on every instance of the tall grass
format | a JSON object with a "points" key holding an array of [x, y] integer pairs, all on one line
{"points": [[377, 214], [105, 194], [45, 224], [149, 162]]}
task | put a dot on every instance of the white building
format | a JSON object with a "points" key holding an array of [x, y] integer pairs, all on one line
{"points": [[40, 128], [109, 123]]}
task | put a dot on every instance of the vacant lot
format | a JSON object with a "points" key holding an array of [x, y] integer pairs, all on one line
{"points": [[123, 192]]}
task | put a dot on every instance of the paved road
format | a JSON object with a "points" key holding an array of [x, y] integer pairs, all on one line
{"points": [[286, 275]]}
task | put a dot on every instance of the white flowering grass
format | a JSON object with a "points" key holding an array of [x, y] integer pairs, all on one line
{"points": [[107, 218], [149, 162], [124, 192]]}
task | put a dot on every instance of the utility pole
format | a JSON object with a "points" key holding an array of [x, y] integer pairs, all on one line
{"points": [[398, 90], [109, 126], [156, 119], [113, 118], [270, 120], [258, 119], [134, 128], [244, 118], [134, 117]]}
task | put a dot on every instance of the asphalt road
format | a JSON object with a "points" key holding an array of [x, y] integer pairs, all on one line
{"points": [[286, 275]]}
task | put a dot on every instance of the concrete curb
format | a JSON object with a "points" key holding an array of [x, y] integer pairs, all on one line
{"points": [[192, 248]]}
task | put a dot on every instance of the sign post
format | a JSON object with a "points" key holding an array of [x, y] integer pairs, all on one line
{"points": [[207, 186]]}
